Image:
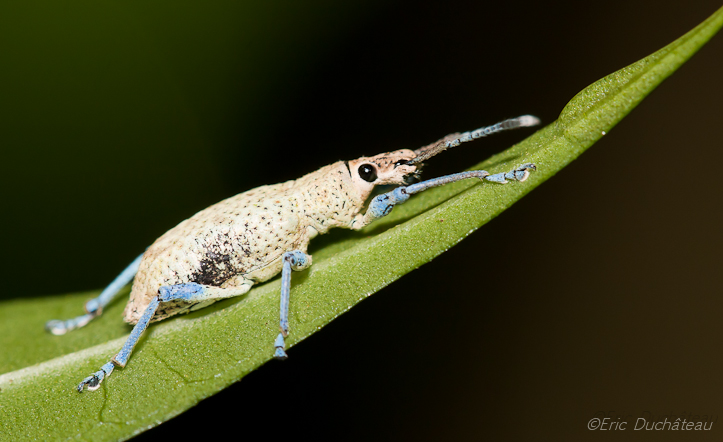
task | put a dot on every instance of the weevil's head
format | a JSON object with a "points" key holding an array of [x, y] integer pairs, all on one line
{"points": [[404, 166], [385, 168]]}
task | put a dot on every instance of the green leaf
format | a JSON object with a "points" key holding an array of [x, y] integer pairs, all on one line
{"points": [[183, 360]]}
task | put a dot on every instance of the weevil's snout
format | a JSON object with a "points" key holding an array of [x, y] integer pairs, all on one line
{"points": [[386, 168]]}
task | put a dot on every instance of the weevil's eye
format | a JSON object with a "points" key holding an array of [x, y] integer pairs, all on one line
{"points": [[401, 163], [368, 173]]}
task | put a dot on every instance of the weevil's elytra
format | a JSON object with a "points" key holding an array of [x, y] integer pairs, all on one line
{"points": [[224, 250]]}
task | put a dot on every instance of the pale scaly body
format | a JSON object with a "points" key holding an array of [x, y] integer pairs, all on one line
{"points": [[222, 251], [241, 240]]}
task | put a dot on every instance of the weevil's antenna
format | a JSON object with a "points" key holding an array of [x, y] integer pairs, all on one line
{"points": [[453, 140]]}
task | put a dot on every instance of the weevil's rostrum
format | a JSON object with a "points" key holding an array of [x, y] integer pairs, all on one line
{"points": [[224, 250]]}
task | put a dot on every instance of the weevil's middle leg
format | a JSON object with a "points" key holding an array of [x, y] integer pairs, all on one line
{"points": [[190, 292], [381, 205], [95, 306], [296, 260]]}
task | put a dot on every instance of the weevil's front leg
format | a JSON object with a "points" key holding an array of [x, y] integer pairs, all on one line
{"points": [[381, 205], [95, 306], [190, 292], [296, 261]]}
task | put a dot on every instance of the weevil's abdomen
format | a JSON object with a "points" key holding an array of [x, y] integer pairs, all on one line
{"points": [[230, 242]]}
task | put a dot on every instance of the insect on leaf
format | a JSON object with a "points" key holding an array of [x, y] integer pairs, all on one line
{"points": [[183, 360]]}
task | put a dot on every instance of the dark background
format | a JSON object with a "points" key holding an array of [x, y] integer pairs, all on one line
{"points": [[597, 293]]}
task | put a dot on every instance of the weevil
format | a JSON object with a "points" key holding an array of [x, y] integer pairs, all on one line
{"points": [[222, 251]]}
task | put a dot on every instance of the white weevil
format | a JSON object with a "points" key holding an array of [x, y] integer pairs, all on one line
{"points": [[222, 251]]}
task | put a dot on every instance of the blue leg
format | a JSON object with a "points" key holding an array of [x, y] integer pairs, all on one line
{"points": [[296, 260], [191, 293], [93, 381], [94, 307], [381, 205]]}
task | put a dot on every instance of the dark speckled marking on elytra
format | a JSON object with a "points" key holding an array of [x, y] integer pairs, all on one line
{"points": [[216, 268]]}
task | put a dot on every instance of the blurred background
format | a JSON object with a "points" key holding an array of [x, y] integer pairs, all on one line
{"points": [[119, 120]]}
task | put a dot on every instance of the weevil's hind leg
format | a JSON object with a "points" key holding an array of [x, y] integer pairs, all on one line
{"points": [[381, 205], [95, 306], [296, 261], [93, 381], [190, 292]]}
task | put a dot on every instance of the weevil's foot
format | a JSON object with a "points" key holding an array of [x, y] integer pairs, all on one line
{"points": [[280, 354], [519, 174], [522, 172], [58, 327], [93, 381], [279, 345], [497, 178]]}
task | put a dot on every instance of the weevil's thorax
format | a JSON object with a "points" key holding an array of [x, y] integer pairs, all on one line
{"points": [[335, 194], [328, 197]]}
